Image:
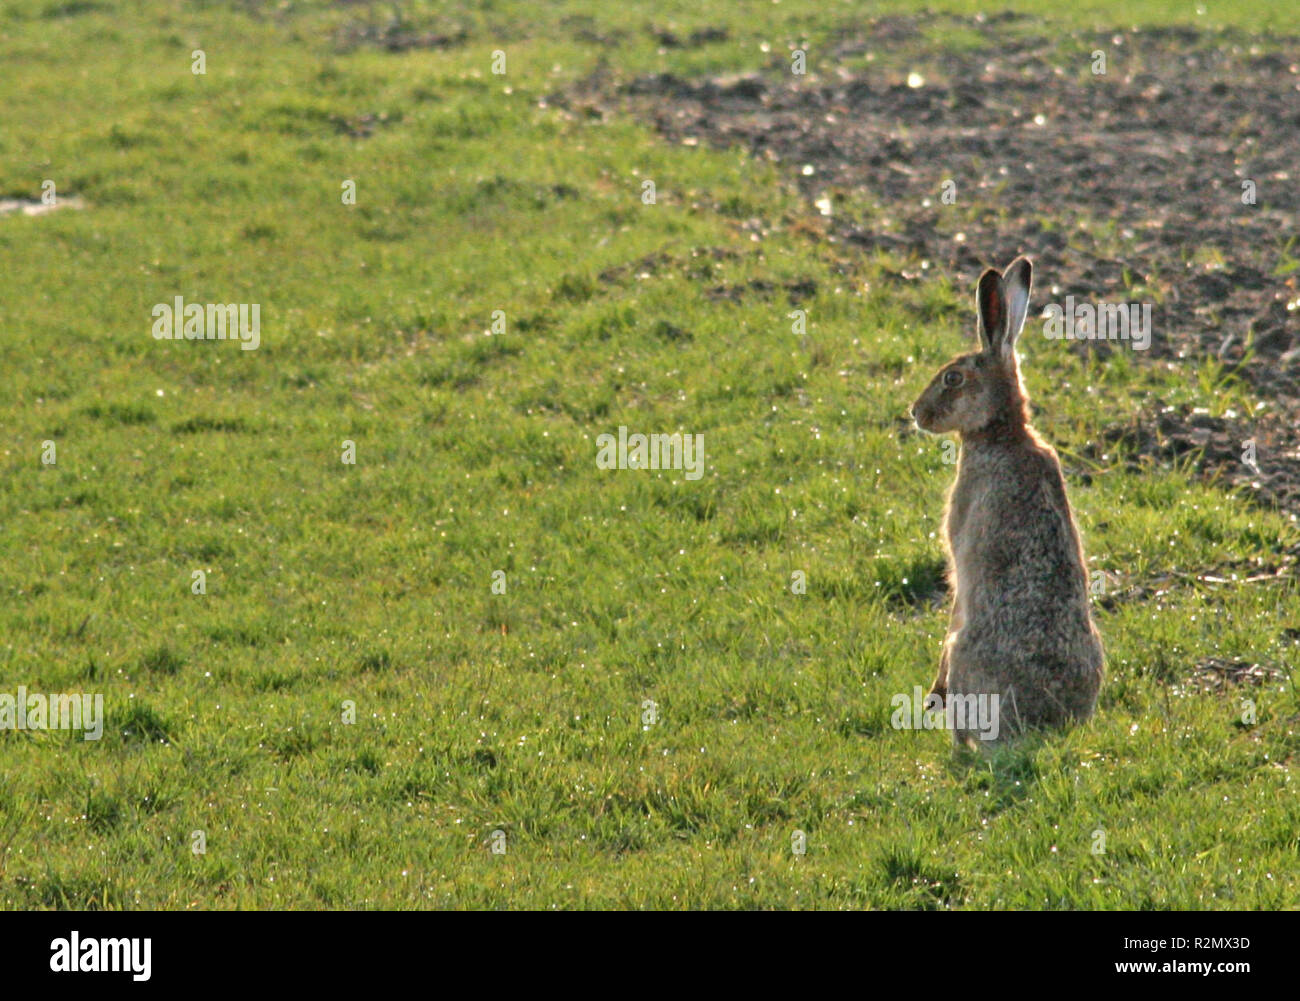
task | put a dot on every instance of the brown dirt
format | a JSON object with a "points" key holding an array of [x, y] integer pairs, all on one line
{"points": [[1123, 187]]}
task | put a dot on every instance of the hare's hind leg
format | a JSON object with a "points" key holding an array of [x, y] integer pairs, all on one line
{"points": [[964, 744]]}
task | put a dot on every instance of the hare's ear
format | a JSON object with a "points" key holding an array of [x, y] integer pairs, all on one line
{"points": [[1016, 283], [991, 302]]}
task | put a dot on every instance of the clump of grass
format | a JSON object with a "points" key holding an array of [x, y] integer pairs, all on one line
{"points": [[162, 660]]}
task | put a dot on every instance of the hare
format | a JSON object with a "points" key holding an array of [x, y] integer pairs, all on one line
{"points": [[1021, 627]]}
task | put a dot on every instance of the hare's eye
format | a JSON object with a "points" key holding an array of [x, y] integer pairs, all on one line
{"points": [[953, 378]]}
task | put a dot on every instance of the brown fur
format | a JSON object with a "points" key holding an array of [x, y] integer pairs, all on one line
{"points": [[1021, 624]]}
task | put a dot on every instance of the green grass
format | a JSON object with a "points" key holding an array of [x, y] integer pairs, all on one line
{"points": [[371, 584]]}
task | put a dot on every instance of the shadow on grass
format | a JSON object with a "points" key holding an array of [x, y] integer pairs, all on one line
{"points": [[1006, 772]]}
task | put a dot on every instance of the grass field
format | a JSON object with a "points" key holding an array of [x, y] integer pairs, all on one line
{"points": [[649, 713]]}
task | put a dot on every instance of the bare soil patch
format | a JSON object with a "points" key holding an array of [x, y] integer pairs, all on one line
{"points": [[1123, 187]]}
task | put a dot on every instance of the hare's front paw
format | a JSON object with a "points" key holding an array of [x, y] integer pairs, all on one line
{"points": [[940, 686]]}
